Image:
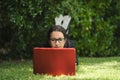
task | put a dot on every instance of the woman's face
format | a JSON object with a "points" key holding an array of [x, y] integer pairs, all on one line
{"points": [[57, 39]]}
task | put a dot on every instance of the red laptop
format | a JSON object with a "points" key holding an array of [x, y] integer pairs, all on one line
{"points": [[54, 61]]}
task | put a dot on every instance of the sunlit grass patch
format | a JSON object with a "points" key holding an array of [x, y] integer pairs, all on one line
{"points": [[88, 69]]}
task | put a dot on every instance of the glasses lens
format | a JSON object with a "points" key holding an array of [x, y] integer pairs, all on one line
{"points": [[59, 40]]}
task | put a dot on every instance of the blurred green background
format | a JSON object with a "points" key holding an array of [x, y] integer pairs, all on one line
{"points": [[94, 26]]}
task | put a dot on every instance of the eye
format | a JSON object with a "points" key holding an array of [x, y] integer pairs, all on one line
{"points": [[53, 39], [60, 39]]}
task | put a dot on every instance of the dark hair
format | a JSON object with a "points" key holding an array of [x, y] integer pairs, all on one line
{"points": [[57, 28]]}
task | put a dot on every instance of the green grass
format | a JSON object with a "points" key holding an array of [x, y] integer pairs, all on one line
{"points": [[88, 69]]}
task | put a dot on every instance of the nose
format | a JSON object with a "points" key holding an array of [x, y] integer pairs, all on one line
{"points": [[56, 42]]}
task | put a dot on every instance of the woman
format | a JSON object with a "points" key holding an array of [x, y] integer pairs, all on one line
{"points": [[57, 38]]}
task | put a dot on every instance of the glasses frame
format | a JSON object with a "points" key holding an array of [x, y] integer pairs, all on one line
{"points": [[60, 40]]}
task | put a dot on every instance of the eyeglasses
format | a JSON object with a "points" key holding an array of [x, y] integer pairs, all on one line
{"points": [[60, 40]]}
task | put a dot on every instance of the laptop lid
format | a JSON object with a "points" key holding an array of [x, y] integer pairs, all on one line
{"points": [[54, 61]]}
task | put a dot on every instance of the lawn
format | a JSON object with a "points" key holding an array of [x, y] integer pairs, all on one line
{"points": [[107, 68]]}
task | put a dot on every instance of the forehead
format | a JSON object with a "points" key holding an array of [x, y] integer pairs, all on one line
{"points": [[56, 34]]}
